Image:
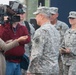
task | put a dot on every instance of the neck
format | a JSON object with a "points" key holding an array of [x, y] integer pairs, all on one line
{"points": [[54, 22], [45, 21], [73, 26], [14, 25], [22, 21]]}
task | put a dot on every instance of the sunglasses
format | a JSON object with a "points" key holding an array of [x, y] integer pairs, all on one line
{"points": [[71, 18]]}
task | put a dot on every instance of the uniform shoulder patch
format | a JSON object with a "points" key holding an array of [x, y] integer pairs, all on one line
{"points": [[37, 40]]}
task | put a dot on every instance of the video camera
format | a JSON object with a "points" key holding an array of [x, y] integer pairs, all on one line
{"points": [[11, 11]]}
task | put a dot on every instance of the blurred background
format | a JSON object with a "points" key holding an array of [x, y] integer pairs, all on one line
{"points": [[65, 6]]}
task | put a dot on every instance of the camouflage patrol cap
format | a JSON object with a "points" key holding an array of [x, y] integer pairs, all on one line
{"points": [[53, 10], [43, 10], [72, 14]]}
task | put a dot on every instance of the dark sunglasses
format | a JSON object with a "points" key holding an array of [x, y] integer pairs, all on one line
{"points": [[71, 18]]}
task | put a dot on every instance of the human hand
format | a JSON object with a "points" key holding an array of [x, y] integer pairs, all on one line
{"points": [[67, 50], [28, 74], [5, 18], [22, 38], [62, 50]]}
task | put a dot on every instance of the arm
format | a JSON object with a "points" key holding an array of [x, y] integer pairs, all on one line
{"points": [[11, 44], [32, 30], [38, 44], [8, 46], [62, 47], [25, 33], [6, 32]]}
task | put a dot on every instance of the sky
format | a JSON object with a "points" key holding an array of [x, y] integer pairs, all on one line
{"points": [[5, 1]]}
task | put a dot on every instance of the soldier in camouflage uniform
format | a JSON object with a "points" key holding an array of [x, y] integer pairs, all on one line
{"points": [[68, 49], [61, 27], [45, 46]]}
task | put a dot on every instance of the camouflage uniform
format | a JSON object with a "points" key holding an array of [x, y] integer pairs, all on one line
{"points": [[61, 27], [45, 51], [69, 60]]}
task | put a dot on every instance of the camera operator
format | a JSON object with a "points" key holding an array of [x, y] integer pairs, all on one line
{"points": [[4, 47], [13, 31]]}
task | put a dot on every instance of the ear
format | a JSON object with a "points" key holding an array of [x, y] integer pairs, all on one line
{"points": [[42, 16], [57, 15]]}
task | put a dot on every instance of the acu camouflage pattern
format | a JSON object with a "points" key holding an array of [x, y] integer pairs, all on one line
{"points": [[69, 60], [28, 46], [61, 27], [45, 51]]}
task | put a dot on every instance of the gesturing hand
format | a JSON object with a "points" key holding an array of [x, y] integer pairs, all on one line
{"points": [[22, 38]]}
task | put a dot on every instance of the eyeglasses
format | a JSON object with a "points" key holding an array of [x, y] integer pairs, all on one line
{"points": [[71, 18]]}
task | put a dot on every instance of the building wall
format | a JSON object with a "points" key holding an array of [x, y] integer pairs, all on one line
{"points": [[32, 6]]}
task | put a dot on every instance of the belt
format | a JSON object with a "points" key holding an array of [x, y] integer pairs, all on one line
{"points": [[12, 57]]}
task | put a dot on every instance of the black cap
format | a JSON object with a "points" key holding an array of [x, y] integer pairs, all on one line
{"points": [[20, 11]]}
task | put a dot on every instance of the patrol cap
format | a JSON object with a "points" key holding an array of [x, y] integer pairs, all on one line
{"points": [[53, 10], [43, 10], [72, 14]]}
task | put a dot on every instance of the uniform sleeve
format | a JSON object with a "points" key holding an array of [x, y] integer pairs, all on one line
{"points": [[73, 45], [38, 44], [73, 51], [8, 46], [63, 43], [32, 30], [65, 27]]}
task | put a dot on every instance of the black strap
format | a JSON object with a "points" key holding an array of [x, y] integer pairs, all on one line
{"points": [[27, 25], [12, 57], [2, 51]]}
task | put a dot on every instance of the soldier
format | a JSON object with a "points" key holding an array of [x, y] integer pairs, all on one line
{"points": [[68, 49], [45, 46], [61, 27]]}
